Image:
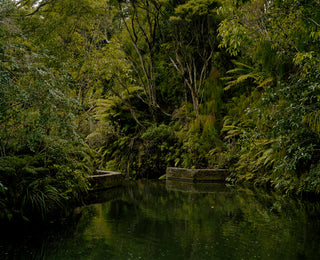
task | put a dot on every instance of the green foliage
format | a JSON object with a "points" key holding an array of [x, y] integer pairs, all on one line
{"points": [[151, 84], [35, 186], [192, 45], [157, 151], [271, 126], [43, 159], [277, 147], [233, 35]]}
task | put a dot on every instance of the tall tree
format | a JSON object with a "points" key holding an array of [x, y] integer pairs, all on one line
{"points": [[140, 42], [193, 32]]}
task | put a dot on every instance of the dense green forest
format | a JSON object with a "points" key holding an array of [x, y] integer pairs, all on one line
{"points": [[137, 86]]}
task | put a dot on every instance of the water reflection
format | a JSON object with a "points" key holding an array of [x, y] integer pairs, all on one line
{"points": [[197, 187], [154, 220]]}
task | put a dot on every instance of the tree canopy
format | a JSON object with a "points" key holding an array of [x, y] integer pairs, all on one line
{"points": [[137, 86]]}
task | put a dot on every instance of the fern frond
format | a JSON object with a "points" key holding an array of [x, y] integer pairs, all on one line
{"points": [[242, 64], [265, 82], [313, 121], [235, 70]]}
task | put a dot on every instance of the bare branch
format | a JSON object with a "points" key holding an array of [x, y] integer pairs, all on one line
{"points": [[39, 6], [314, 22]]}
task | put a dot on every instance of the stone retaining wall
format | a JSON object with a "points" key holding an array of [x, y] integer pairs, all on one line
{"points": [[196, 175], [106, 179]]}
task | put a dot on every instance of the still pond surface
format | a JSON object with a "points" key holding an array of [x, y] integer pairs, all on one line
{"points": [[158, 220]]}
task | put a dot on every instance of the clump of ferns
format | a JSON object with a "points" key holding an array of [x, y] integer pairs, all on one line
{"points": [[40, 198]]}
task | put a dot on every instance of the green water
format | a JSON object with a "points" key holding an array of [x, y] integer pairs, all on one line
{"points": [[158, 220]]}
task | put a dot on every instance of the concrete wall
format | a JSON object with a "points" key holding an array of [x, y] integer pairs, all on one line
{"points": [[196, 175], [108, 180]]}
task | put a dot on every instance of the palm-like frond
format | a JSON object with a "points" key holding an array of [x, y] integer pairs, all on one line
{"points": [[313, 121], [40, 197], [243, 72]]}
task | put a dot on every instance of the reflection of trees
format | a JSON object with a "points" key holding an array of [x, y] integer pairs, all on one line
{"points": [[148, 221], [269, 222], [277, 224]]}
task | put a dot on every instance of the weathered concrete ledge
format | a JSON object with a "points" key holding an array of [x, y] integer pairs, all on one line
{"points": [[196, 175], [105, 179], [102, 172]]}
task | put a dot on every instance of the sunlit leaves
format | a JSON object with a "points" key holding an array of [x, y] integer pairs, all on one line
{"points": [[233, 36], [38, 132], [195, 7]]}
